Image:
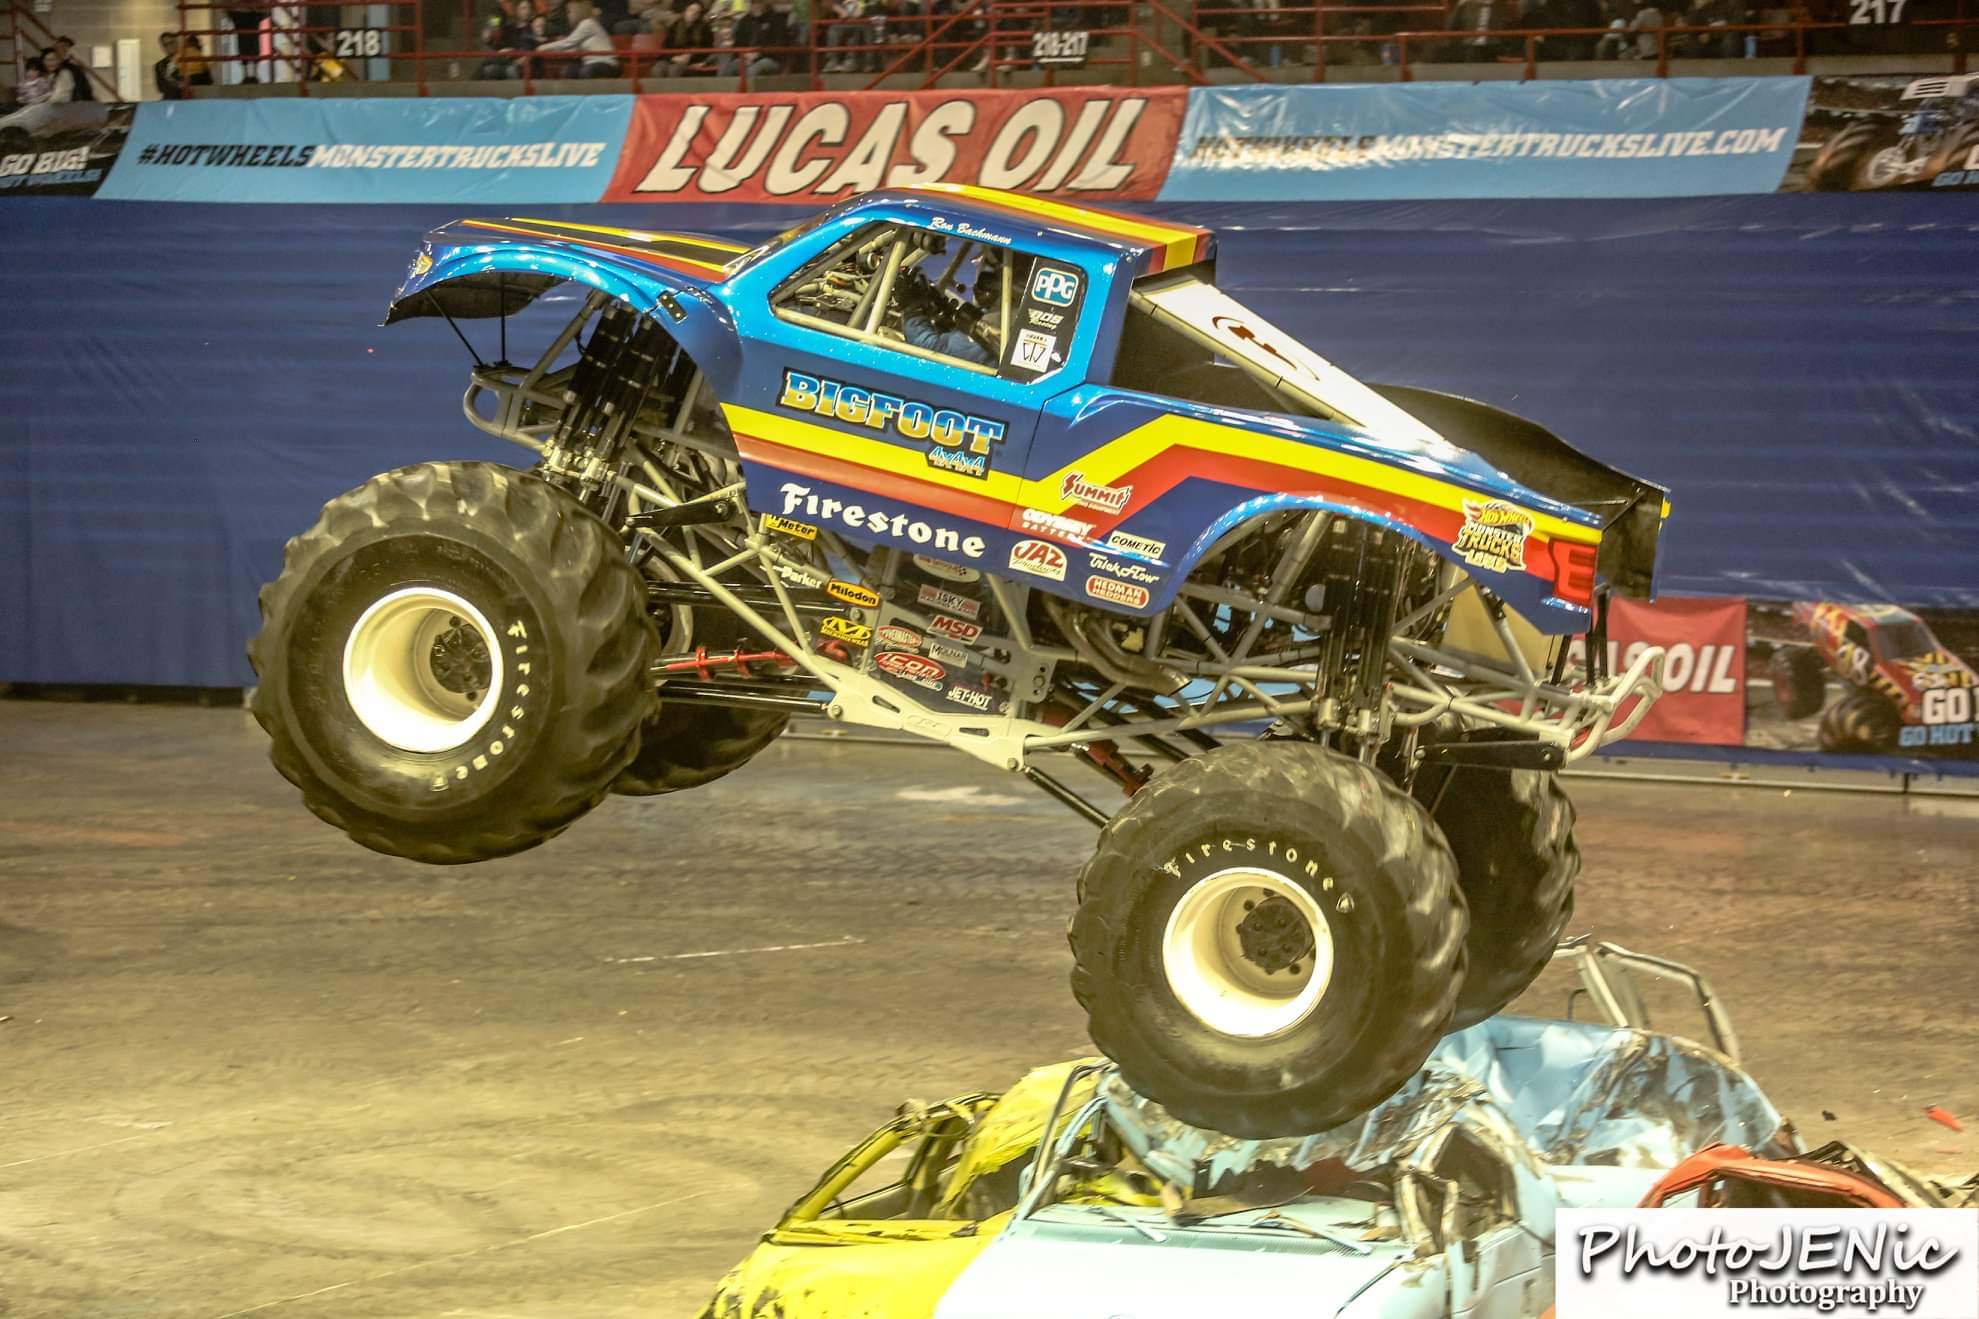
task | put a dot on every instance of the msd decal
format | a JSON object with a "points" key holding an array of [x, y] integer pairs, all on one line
{"points": [[820, 147]]}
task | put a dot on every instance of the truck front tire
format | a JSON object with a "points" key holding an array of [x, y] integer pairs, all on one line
{"points": [[1269, 940], [453, 662]]}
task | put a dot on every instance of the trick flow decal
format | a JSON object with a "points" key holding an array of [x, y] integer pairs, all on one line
{"points": [[957, 441], [1493, 535], [878, 521]]}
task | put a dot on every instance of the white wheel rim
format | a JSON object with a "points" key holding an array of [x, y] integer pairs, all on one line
{"points": [[396, 674], [1227, 989], [1885, 165]]}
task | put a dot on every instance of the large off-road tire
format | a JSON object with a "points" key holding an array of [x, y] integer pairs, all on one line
{"points": [[1513, 837], [1269, 940], [1862, 723], [1800, 680], [1849, 160], [685, 746], [453, 662]]}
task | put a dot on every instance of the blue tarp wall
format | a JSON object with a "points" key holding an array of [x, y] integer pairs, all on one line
{"points": [[183, 385]]}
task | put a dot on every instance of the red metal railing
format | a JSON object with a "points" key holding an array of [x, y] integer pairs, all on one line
{"points": [[1160, 41]]}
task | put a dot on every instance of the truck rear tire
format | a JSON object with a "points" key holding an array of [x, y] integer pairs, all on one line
{"points": [[1513, 837], [1800, 680], [1269, 940], [453, 662]]}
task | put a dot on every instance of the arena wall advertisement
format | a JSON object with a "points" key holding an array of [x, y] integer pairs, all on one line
{"points": [[68, 155], [818, 147], [471, 150], [1884, 133], [1616, 137]]}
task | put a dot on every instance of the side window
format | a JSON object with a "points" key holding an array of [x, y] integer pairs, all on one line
{"points": [[983, 306], [1475, 1190]]}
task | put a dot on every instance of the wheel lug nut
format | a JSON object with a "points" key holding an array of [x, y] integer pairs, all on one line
{"points": [[1249, 905]]}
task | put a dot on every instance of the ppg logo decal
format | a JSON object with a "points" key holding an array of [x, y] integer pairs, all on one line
{"points": [[1055, 288]]}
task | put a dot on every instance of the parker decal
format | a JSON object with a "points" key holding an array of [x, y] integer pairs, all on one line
{"points": [[1105, 498], [820, 147], [957, 441], [879, 521], [1040, 558], [1493, 535], [1125, 594]]}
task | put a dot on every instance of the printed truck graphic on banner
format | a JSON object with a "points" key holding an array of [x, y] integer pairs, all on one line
{"points": [[817, 147]]}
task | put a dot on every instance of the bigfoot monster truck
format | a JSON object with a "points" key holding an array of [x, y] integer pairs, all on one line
{"points": [[1896, 672], [1013, 476]]}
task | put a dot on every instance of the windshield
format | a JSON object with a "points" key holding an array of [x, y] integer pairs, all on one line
{"points": [[1903, 639]]}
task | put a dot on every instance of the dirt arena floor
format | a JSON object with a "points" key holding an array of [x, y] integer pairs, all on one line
{"points": [[247, 1068]]}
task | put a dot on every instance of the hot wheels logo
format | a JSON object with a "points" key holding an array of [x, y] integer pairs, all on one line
{"points": [[914, 668], [1124, 594]]}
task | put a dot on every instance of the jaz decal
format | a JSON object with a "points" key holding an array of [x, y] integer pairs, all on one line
{"points": [[895, 637], [1141, 545], [957, 442], [1051, 524], [785, 527], [914, 668], [1493, 535], [1125, 594], [1040, 558], [949, 601], [879, 521], [954, 628], [853, 594], [948, 572], [844, 629], [819, 147], [1105, 498]]}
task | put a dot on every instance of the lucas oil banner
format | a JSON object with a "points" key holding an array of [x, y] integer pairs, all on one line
{"points": [[490, 151], [1613, 137], [1089, 143]]}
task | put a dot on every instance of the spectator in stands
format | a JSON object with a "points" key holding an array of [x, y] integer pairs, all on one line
{"points": [[34, 86], [35, 118], [1634, 39], [1566, 13], [762, 38], [652, 16], [165, 74], [588, 35], [1719, 13], [845, 33], [65, 47], [689, 39], [1478, 17], [509, 32]]}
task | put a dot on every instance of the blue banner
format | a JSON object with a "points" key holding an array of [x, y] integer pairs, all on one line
{"points": [[1616, 137], [495, 151]]}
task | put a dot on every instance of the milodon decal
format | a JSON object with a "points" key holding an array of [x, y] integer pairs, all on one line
{"points": [[853, 594], [957, 441], [880, 521], [1493, 535]]}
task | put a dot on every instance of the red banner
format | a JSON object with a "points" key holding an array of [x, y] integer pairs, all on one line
{"points": [[1703, 670], [819, 147]]}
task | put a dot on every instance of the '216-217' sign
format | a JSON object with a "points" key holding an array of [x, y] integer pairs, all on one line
{"points": [[819, 147]]}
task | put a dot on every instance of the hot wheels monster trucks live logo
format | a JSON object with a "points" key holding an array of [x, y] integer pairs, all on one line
{"points": [[1493, 535]]}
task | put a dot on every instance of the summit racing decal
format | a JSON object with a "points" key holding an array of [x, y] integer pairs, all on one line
{"points": [[957, 441], [819, 147], [879, 521], [1105, 498], [1493, 535]]}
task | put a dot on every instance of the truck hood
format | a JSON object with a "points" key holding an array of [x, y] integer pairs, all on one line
{"points": [[478, 268]]}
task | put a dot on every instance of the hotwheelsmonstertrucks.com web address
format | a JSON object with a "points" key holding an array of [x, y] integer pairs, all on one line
{"points": [[1781, 1263]]}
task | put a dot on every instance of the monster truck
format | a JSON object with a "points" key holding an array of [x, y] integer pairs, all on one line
{"points": [[1895, 671], [1015, 477], [1938, 135]]}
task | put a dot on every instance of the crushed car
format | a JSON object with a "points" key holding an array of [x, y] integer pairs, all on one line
{"points": [[1018, 478], [1072, 1197]]}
